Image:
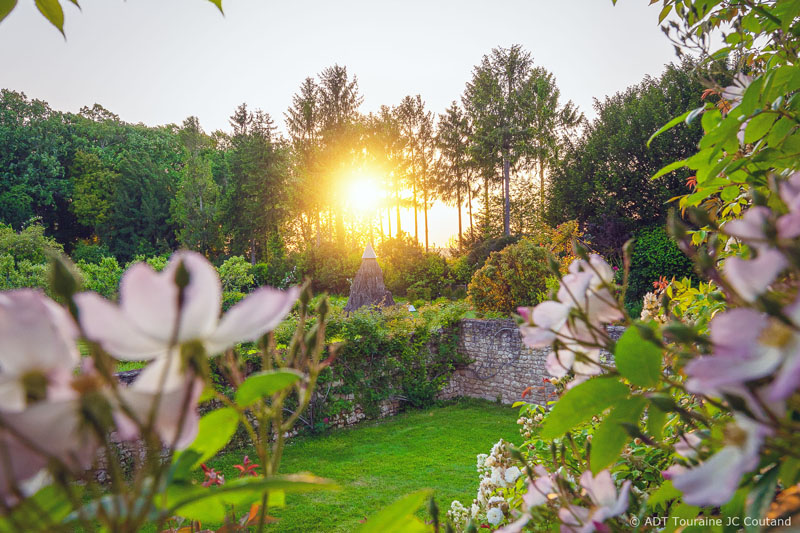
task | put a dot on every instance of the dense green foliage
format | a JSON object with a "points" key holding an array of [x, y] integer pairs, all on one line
{"points": [[515, 276], [393, 354], [604, 180], [654, 255]]}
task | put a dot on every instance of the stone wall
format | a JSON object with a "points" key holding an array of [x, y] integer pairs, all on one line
{"points": [[502, 368]]}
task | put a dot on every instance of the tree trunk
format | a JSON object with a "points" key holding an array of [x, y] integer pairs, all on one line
{"points": [[471, 228], [319, 229], [425, 206], [388, 220], [460, 235], [541, 188], [506, 200], [486, 198], [416, 224], [399, 227]]}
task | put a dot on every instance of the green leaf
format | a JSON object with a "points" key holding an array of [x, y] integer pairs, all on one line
{"points": [[610, 437], [790, 468], [581, 403], [218, 3], [669, 168], [664, 12], [399, 516], [51, 9], [6, 7], [730, 193], [655, 422], [681, 511], [214, 432], [758, 126], [668, 126], [266, 383], [663, 494], [39, 512], [760, 497], [210, 504], [637, 359]]}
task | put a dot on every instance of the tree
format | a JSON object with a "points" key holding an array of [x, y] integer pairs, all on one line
{"points": [[33, 151], [194, 207], [255, 201], [496, 99], [455, 170], [604, 179], [93, 186], [416, 126], [304, 124], [139, 219], [386, 147], [339, 100], [516, 117], [552, 125]]}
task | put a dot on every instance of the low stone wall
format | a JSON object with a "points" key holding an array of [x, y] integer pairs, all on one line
{"points": [[502, 368]]}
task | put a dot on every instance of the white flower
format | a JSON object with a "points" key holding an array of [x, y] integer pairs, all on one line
{"points": [[150, 322], [497, 477], [512, 474], [38, 353], [734, 93], [496, 501], [494, 516], [474, 510]]}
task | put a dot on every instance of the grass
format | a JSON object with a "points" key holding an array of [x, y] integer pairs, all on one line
{"points": [[378, 462]]}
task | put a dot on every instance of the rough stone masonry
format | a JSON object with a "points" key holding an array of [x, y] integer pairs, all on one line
{"points": [[502, 367]]}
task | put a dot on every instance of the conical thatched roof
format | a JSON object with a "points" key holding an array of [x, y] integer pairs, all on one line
{"points": [[368, 288]]}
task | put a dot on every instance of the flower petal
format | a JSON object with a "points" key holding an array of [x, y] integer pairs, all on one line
{"points": [[259, 313], [713, 482], [202, 296], [751, 278], [105, 323], [36, 335], [150, 300], [177, 419]]}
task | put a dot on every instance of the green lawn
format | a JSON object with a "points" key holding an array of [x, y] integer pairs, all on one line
{"points": [[377, 462]]}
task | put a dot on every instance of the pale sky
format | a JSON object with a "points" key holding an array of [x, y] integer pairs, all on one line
{"points": [[159, 61]]}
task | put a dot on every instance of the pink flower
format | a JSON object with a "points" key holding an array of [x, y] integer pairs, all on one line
{"points": [[714, 481], [748, 346], [175, 418], [586, 289], [751, 278], [150, 323], [37, 351], [607, 504]]}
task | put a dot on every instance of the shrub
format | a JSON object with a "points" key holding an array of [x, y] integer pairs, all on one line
{"points": [[90, 253], [654, 255], [330, 268], [102, 277], [21, 274], [236, 274], [30, 244], [407, 266], [513, 277]]}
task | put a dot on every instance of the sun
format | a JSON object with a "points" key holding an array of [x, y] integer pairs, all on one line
{"points": [[364, 194]]}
